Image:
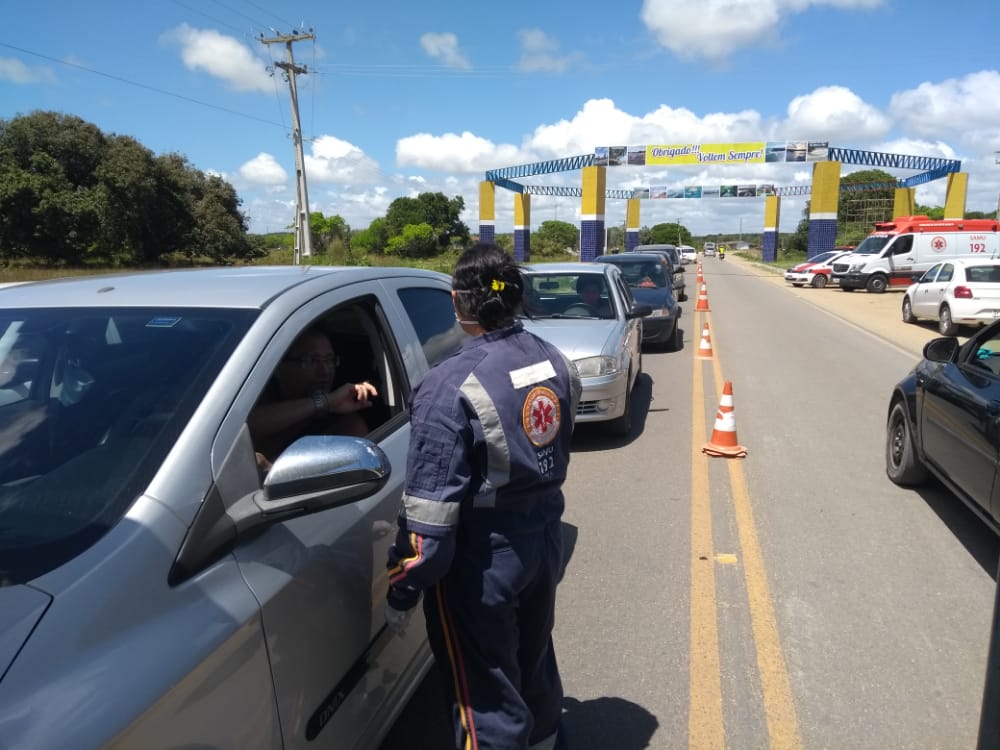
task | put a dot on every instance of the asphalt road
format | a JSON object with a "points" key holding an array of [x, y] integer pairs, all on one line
{"points": [[792, 599]]}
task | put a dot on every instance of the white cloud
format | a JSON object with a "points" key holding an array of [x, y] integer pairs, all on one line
{"points": [[444, 46], [263, 169], [334, 160], [714, 29], [222, 57], [15, 71], [464, 154], [834, 113], [967, 107], [539, 53]]}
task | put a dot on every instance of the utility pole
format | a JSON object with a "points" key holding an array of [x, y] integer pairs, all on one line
{"points": [[303, 235]]}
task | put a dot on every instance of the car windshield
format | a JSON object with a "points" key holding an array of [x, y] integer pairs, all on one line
{"points": [[567, 295], [91, 400], [873, 244], [644, 275]]}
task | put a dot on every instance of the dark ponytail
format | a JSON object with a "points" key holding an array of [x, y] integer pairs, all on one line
{"points": [[489, 285]]}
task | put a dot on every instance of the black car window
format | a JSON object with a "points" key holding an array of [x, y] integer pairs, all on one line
{"points": [[986, 355], [103, 395], [433, 316]]}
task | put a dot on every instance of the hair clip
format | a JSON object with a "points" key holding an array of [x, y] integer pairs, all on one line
{"points": [[497, 285]]}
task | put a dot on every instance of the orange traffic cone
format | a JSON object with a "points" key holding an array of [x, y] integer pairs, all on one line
{"points": [[705, 347], [702, 298], [723, 442], [700, 278]]}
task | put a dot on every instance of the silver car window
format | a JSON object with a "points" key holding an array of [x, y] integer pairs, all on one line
{"points": [[92, 401]]}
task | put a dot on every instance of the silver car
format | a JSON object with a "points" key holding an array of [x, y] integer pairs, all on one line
{"points": [[603, 339], [158, 590]]}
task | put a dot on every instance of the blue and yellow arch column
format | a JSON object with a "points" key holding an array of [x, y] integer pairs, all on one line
{"points": [[487, 211], [904, 202], [823, 207], [522, 227], [592, 212], [772, 217], [954, 200], [631, 224]]}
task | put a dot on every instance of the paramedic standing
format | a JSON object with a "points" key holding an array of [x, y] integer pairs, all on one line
{"points": [[480, 532]]}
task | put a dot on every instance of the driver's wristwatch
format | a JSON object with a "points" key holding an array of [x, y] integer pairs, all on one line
{"points": [[321, 402]]}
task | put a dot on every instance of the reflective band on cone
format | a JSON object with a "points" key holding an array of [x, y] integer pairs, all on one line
{"points": [[724, 442], [705, 347], [702, 298]]}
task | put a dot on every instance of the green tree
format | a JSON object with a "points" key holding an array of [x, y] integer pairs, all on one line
{"points": [[71, 195], [669, 234], [554, 238], [327, 230], [436, 209], [415, 241]]}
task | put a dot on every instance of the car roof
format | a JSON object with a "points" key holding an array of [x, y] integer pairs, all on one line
{"points": [[579, 267], [631, 258], [661, 246], [233, 287]]}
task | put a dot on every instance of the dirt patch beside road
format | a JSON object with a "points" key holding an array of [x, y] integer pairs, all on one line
{"points": [[878, 314]]}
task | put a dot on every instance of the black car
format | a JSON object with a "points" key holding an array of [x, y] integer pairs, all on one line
{"points": [[672, 254], [944, 419], [648, 278]]}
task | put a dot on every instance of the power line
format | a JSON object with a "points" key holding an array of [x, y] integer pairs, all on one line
{"points": [[144, 86]]}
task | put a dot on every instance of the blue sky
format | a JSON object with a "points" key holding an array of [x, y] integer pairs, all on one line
{"points": [[408, 97]]}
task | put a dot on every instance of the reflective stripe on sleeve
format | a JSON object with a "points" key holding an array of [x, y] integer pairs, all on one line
{"points": [[497, 452], [431, 512]]}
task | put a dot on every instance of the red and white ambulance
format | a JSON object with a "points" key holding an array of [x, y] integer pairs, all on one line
{"points": [[905, 247]]}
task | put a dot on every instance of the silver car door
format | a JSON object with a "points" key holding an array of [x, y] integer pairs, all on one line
{"points": [[319, 578]]}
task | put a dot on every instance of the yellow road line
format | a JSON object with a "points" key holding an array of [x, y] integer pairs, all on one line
{"points": [[705, 724], [779, 706]]}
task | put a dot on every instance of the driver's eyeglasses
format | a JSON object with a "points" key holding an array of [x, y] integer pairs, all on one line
{"points": [[311, 360]]}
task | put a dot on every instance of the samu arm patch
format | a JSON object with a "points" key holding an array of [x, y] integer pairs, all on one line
{"points": [[540, 416]]}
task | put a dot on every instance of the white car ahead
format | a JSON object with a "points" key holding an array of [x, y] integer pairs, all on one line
{"points": [[955, 293], [688, 254]]}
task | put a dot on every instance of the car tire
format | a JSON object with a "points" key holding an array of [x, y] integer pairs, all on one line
{"points": [[622, 426], [819, 281], [877, 284], [676, 340], [946, 325], [902, 465], [908, 316]]}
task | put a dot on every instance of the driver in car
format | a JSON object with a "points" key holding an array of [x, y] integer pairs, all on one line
{"points": [[589, 288]]}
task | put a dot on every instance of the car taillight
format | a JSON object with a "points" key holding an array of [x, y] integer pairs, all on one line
{"points": [[962, 292]]}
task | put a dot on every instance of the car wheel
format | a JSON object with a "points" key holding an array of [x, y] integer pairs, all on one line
{"points": [[901, 462], [877, 284], [622, 426], [946, 325], [819, 281], [677, 340], [908, 316]]}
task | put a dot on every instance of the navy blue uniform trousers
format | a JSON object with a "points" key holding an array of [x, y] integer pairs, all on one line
{"points": [[490, 626]]}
